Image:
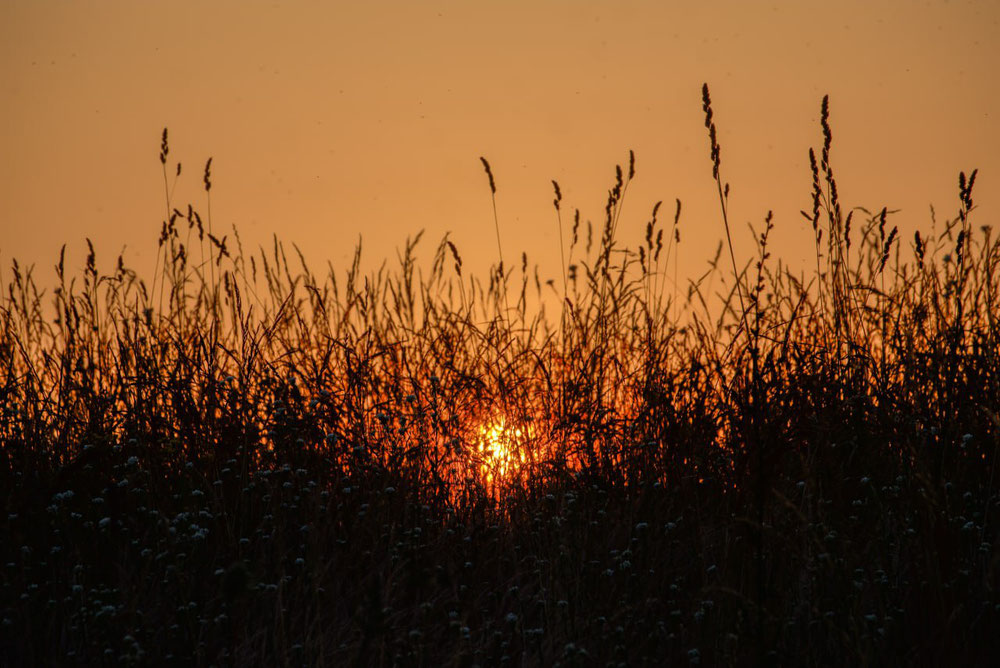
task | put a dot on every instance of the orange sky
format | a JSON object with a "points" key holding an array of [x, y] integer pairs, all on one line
{"points": [[329, 120]]}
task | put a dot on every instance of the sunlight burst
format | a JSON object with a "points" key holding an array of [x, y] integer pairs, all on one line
{"points": [[501, 449]]}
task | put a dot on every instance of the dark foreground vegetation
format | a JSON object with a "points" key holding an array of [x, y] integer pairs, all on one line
{"points": [[245, 462]]}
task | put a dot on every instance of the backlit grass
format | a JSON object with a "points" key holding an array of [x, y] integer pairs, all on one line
{"points": [[246, 461]]}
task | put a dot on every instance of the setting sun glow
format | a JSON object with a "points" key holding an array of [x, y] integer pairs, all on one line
{"points": [[501, 449]]}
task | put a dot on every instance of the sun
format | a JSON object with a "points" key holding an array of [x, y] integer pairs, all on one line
{"points": [[501, 449]]}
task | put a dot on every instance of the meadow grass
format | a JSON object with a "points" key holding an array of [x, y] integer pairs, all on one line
{"points": [[248, 462]]}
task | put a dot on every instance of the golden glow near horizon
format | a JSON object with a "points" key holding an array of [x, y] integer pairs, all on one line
{"points": [[501, 449], [329, 121]]}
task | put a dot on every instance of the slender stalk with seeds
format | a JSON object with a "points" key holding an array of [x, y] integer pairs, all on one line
{"points": [[501, 272], [723, 195], [754, 441]]}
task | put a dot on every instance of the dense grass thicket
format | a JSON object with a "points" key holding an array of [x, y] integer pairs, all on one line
{"points": [[247, 462]]}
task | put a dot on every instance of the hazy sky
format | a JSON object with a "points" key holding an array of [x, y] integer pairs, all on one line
{"points": [[330, 120]]}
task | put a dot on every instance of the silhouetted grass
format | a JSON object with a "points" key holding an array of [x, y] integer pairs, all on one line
{"points": [[252, 463]]}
